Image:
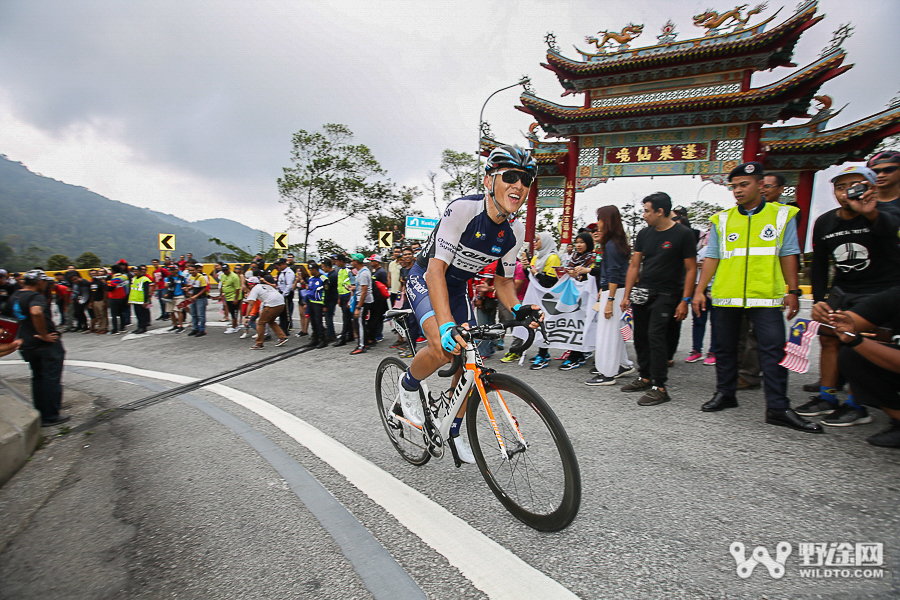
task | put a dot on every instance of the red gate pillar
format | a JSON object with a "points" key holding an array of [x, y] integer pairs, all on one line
{"points": [[569, 194], [531, 215], [803, 194], [751, 143]]}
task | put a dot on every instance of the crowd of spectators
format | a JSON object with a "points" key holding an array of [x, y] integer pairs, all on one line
{"points": [[732, 277]]}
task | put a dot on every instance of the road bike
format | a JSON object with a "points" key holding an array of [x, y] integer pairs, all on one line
{"points": [[519, 444]]}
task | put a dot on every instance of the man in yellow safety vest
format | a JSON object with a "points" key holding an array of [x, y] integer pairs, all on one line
{"points": [[140, 297], [753, 250]]}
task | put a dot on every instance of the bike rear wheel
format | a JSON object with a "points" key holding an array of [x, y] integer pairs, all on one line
{"points": [[409, 441], [539, 483]]}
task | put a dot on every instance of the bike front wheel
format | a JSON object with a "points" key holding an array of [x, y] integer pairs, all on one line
{"points": [[409, 441], [538, 481]]}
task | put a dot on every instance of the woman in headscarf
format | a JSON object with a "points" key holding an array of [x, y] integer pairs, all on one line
{"points": [[582, 261], [545, 260], [578, 268], [543, 267]]}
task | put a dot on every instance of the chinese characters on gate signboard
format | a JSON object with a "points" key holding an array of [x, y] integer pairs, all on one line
{"points": [[663, 153]]}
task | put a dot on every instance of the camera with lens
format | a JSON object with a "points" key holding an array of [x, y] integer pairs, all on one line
{"points": [[856, 191]]}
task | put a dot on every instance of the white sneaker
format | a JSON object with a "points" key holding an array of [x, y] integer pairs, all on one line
{"points": [[411, 404], [244, 335], [230, 330], [463, 450]]}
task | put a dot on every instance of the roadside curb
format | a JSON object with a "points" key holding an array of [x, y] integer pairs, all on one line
{"points": [[20, 431]]}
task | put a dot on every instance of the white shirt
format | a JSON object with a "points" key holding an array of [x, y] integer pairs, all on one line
{"points": [[267, 294], [286, 281]]}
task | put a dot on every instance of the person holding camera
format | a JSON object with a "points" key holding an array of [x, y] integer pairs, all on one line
{"points": [[860, 237]]}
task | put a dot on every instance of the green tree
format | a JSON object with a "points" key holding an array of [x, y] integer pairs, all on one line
{"points": [[58, 262], [237, 253], [889, 143], [326, 248], [7, 254], [393, 212], [633, 218], [15, 241], [699, 213], [329, 180], [87, 260], [240, 255], [464, 174], [31, 258]]}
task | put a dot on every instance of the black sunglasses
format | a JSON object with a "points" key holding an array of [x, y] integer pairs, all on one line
{"points": [[885, 170], [511, 177]]}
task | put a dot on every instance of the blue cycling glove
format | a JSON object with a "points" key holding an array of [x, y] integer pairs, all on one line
{"points": [[448, 342]]}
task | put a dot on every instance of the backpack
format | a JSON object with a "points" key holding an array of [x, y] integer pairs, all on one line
{"points": [[382, 289]]}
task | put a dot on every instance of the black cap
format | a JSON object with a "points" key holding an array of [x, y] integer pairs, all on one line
{"points": [[746, 169], [680, 210], [312, 265], [341, 257], [281, 261]]}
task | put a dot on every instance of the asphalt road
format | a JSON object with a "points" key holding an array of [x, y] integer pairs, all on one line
{"points": [[204, 496]]}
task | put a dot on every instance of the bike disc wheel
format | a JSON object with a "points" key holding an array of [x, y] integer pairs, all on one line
{"points": [[409, 441], [538, 483]]}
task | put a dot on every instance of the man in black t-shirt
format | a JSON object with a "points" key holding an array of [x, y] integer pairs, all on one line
{"points": [[665, 259], [860, 237], [41, 347], [872, 368]]}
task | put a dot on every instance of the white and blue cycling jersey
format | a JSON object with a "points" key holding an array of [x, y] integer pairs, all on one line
{"points": [[467, 240]]}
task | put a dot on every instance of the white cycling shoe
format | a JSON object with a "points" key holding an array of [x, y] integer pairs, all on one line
{"points": [[411, 404], [463, 450]]}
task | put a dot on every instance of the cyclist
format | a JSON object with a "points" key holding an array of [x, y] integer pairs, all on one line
{"points": [[474, 232]]}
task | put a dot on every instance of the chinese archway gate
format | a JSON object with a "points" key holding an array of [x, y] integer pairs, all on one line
{"points": [[689, 108]]}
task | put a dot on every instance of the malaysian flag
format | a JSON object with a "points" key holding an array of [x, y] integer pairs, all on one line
{"points": [[627, 328], [796, 351]]}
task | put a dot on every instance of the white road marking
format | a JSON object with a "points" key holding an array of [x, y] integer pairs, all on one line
{"points": [[489, 566], [165, 329]]}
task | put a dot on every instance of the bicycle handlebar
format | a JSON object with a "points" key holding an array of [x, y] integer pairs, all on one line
{"points": [[488, 332]]}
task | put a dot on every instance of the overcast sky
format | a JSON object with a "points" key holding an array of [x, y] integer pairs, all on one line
{"points": [[188, 107]]}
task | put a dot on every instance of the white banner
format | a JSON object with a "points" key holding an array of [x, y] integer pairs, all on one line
{"points": [[569, 314]]}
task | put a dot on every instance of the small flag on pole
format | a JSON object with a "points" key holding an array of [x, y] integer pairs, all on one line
{"points": [[627, 328], [796, 351]]}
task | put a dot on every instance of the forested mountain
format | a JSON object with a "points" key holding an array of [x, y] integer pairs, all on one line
{"points": [[41, 216]]}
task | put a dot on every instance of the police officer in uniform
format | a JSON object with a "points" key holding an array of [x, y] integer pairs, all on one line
{"points": [[753, 250]]}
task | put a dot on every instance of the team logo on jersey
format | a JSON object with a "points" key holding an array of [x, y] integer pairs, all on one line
{"points": [[478, 234], [768, 233], [500, 235], [496, 249], [667, 244], [733, 237]]}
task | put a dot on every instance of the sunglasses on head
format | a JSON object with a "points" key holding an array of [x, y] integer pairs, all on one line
{"points": [[885, 170], [511, 177]]}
